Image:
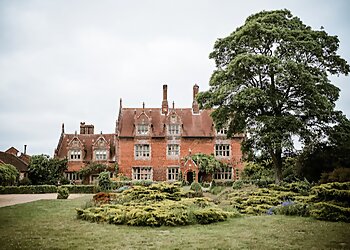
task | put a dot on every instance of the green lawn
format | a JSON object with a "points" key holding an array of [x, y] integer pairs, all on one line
{"points": [[52, 224]]}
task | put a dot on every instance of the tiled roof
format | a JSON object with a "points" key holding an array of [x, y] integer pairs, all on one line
{"points": [[193, 125], [13, 160], [87, 140]]}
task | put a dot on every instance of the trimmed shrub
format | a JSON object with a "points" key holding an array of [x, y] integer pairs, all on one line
{"points": [[338, 192], [156, 205], [293, 209], [237, 184], [330, 212], [39, 189], [216, 190], [104, 182], [210, 215], [166, 212], [300, 187], [62, 193], [197, 188]]}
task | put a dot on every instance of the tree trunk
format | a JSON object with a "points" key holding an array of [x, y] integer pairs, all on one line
{"points": [[277, 162]]}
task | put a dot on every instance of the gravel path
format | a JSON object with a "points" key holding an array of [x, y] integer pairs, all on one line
{"points": [[13, 199]]}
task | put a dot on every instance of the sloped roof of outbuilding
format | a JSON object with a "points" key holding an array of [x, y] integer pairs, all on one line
{"points": [[18, 163]]}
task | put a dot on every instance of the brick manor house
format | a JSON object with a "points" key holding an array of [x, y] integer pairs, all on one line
{"points": [[154, 144]]}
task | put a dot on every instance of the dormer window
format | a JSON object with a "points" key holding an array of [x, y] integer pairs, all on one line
{"points": [[142, 129], [174, 129], [74, 155]]}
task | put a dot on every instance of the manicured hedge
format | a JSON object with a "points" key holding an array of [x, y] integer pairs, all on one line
{"points": [[40, 189]]}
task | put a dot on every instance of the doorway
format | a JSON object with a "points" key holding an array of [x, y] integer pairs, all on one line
{"points": [[189, 177]]}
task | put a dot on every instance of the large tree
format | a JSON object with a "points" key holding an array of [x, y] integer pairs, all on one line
{"points": [[8, 174], [45, 170], [271, 82]]}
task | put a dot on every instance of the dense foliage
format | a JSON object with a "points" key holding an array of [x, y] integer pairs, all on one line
{"points": [[104, 182], [207, 163], [93, 168], [156, 205], [45, 170], [324, 157], [62, 193], [8, 174], [271, 82]]}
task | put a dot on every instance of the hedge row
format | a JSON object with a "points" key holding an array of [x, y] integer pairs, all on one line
{"points": [[40, 189]]}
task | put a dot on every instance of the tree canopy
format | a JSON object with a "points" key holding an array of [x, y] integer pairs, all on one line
{"points": [[45, 170], [271, 82], [8, 174]]}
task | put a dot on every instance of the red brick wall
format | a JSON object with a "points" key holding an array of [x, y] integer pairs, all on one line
{"points": [[159, 160]]}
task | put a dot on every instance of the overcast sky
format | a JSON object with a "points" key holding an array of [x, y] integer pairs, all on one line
{"points": [[71, 61]]}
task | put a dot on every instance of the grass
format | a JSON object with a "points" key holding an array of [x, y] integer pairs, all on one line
{"points": [[52, 224]]}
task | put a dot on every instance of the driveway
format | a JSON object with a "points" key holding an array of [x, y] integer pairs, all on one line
{"points": [[13, 199]]}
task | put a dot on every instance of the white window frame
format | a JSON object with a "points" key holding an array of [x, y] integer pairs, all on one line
{"points": [[74, 155], [173, 150], [223, 150], [100, 154], [225, 173], [173, 173], [142, 151], [142, 129], [174, 129], [222, 131], [142, 173], [73, 176]]}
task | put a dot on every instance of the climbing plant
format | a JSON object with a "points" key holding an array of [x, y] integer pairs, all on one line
{"points": [[208, 163], [93, 168]]}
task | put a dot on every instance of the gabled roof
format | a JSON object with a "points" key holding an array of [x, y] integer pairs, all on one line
{"points": [[193, 125], [12, 150], [87, 141], [8, 158]]}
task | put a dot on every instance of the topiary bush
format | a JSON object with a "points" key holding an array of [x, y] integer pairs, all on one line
{"points": [[104, 182], [62, 193]]}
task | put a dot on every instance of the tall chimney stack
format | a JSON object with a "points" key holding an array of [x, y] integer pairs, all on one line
{"points": [[165, 100], [25, 149], [195, 106]]}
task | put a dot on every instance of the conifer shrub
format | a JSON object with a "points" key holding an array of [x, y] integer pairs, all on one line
{"points": [[331, 201], [62, 193], [291, 208], [156, 205], [330, 212], [197, 188]]}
